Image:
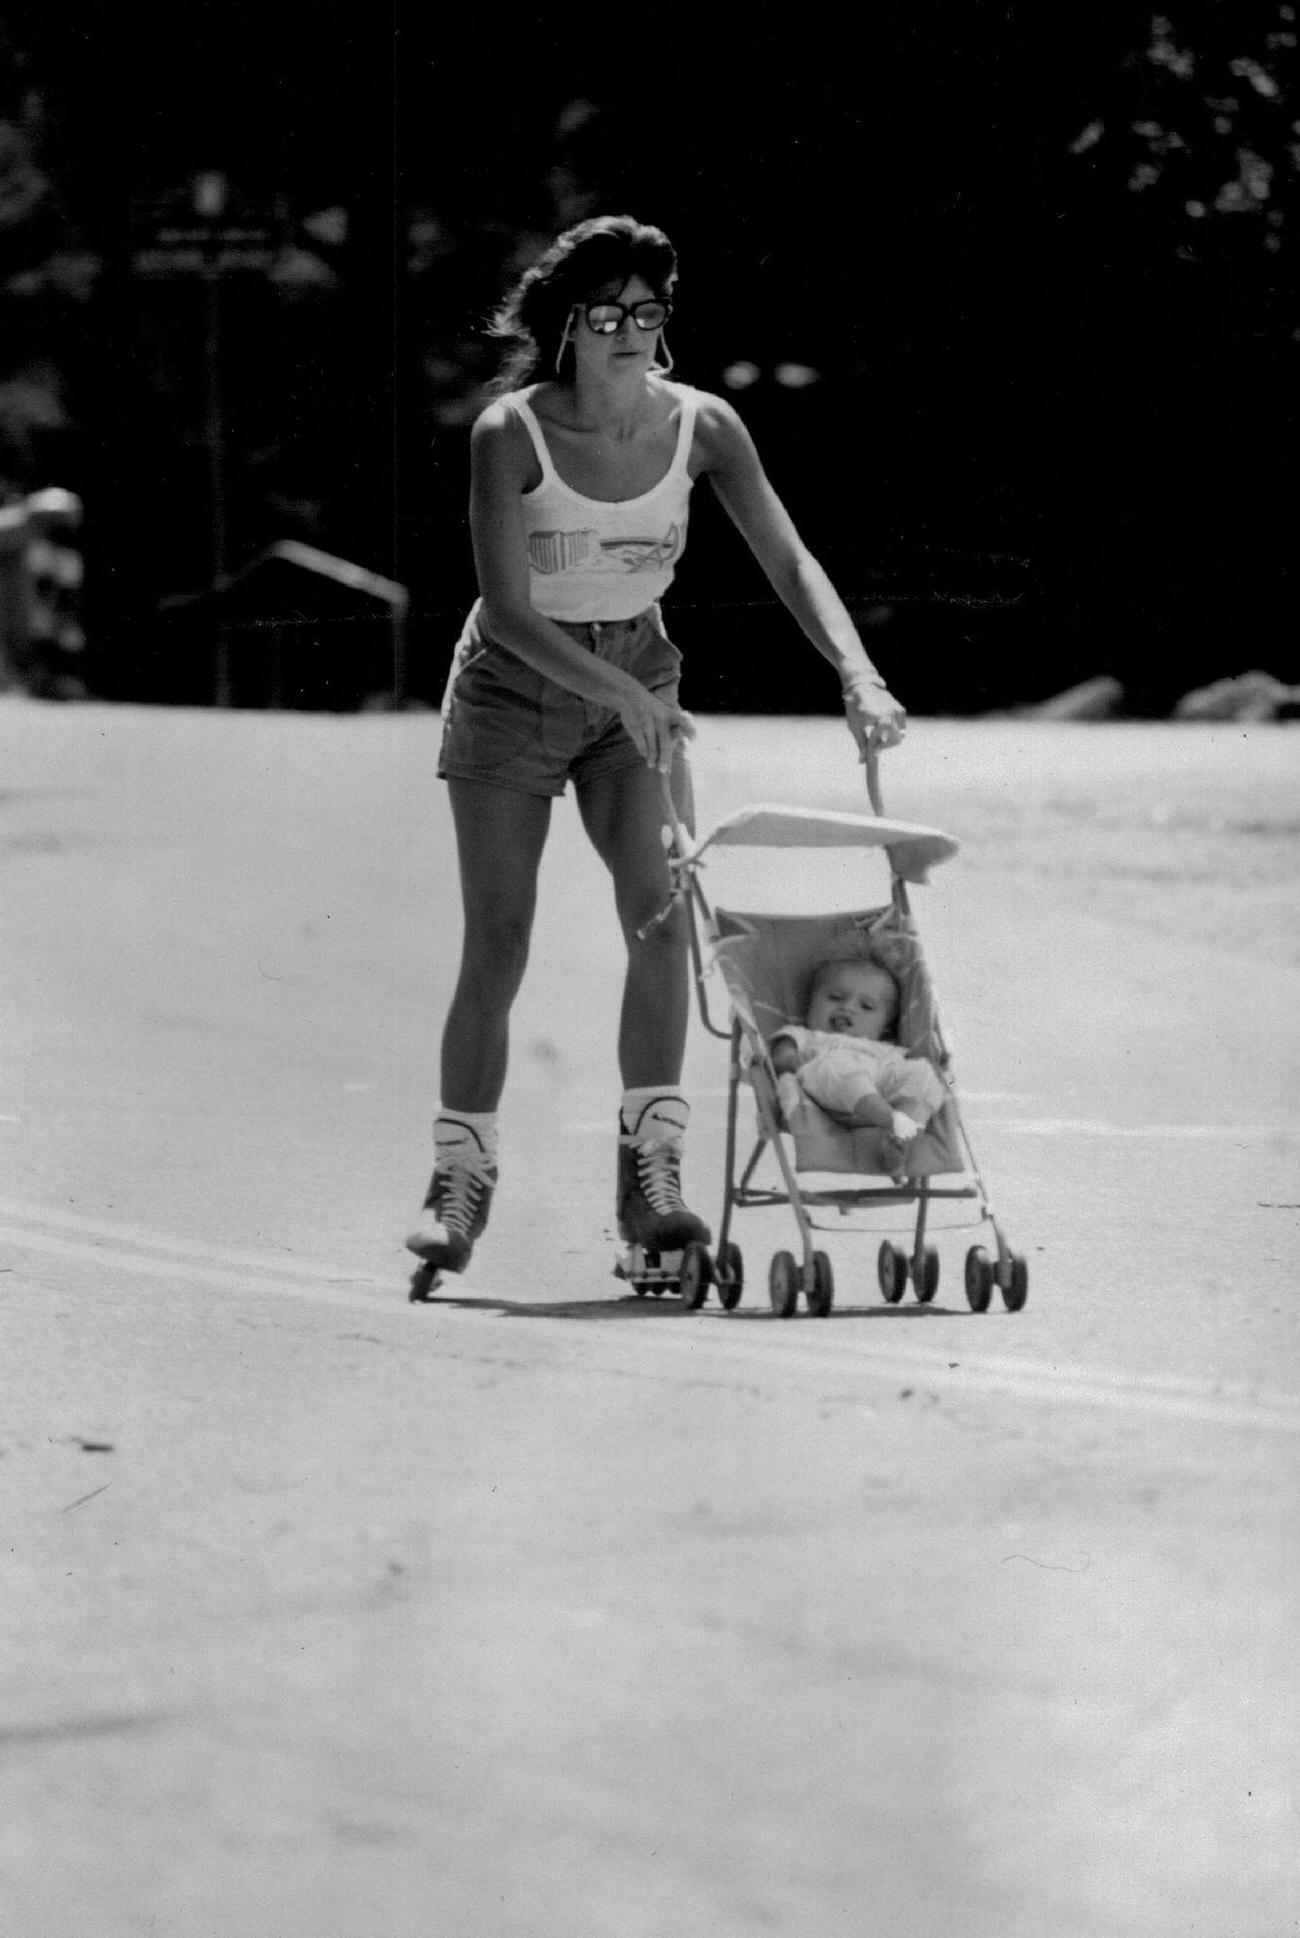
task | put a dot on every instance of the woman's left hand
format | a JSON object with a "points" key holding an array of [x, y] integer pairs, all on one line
{"points": [[875, 717]]}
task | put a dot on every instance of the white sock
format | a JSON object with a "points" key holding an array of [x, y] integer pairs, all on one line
{"points": [[467, 1134], [654, 1113]]}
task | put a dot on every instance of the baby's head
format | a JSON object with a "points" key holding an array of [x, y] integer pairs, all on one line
{"points": [[853, 996]]}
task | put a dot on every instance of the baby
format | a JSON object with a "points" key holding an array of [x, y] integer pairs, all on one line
{"points": [[843, 1060]]}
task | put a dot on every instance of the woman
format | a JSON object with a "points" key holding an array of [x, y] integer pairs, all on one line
{"points": [[581, 473]]}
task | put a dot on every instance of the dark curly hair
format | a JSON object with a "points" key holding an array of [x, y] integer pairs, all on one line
{"points": [[604, 249]]}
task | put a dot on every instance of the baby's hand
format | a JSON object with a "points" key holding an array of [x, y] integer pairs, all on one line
{"points": [[903, 1129], [785, 1054]]}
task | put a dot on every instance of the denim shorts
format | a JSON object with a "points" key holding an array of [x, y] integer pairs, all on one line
{"points": [[505, 723]]}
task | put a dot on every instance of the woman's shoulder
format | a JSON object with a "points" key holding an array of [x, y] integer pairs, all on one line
{"points": [[718, 427], [501, 421], [702, 402], [500, 442], [501, 413], [521, 414]]}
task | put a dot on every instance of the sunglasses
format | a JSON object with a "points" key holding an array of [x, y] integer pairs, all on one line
{"points": [[607, 318]]}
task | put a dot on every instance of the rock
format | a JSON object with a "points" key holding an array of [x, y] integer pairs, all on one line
{"points": [[1245, 696], [1098, 699]]}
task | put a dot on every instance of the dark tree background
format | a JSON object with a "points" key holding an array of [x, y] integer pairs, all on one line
{"points": [[1004, 291]]}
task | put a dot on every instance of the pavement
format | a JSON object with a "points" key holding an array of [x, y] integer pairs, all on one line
{"points": [[545, 1612]]}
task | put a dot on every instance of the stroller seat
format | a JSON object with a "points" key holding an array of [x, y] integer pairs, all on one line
{"points": [[767, 962]]}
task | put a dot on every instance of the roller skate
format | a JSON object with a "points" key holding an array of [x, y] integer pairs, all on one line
{"points": [[653, 1222], [455, 1214]]}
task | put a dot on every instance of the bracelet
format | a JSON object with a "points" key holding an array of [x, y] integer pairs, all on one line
{"points": [[864, 679]]}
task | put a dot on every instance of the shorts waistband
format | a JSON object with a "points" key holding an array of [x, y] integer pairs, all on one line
{"points": [[593, 632]]}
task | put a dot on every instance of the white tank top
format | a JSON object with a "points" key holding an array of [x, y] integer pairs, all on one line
{"points": [[590, 559]]}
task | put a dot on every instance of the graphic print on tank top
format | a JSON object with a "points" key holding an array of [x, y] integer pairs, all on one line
{"points": [[561, 551]]}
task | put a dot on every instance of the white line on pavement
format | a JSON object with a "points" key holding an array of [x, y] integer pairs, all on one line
{"points": [[155, 1241], [191, 1273], [1166, 1396]]}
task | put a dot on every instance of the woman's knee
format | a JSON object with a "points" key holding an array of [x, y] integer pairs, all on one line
{"points": [[495, 951]]}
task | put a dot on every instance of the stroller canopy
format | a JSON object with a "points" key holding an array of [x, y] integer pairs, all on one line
{"points": [[912, 850]]}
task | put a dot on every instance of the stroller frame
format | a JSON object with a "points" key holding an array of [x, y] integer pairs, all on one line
{"points": [[910, 852]]}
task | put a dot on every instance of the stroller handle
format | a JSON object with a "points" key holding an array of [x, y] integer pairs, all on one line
{"points": [[871, 768], [675, 826], [870, 765]]}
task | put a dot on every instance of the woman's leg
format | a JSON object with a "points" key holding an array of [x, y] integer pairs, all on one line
{"points": [[500, 835], [623, 814]]}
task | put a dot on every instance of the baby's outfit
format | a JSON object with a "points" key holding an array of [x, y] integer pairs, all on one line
{"points": [[838, 1071]]}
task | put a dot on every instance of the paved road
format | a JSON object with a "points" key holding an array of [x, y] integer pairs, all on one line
{"points": [[542, 1613]]}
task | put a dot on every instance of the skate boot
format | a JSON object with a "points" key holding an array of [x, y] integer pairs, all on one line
{"points": [[655, 1225], [455, 1214]]}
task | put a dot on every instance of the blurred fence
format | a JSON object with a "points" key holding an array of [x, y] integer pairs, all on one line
{"points": [[275, 627], [41, 639]]}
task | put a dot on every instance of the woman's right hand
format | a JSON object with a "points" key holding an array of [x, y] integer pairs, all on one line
{"points": [[655, 727], [876, 719]]}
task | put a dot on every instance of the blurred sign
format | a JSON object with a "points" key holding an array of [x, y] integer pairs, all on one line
{"points": [[205, 252], [205, 229]]}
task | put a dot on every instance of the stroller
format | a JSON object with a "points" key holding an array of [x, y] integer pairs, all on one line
{"points": [[765, 962]]}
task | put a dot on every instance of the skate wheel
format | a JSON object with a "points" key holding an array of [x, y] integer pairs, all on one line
{"points": [[425, 1281], [927, 1283], [696, 1275], [643, 1269], [822, 1296], [891, 1270], [979, 1279], [783, 1284], [1015, 1287], [729, 1277]]}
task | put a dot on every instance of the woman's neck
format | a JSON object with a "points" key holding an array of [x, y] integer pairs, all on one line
{"points": [[614, 410]]}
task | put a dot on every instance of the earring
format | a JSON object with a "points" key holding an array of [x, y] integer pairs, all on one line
{"points": [[565, 341], [663, 355]]}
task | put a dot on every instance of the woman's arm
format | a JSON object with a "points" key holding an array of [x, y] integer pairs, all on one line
{"points": [[499, 467], [732, 463]]}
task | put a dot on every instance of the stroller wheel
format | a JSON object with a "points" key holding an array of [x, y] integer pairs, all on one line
{"points": [[928, 1283], [783, 1284], [822, 1296], [730, 1276], [1015, 1290], [696, 1273], [979, 1279], [891, 1270]]}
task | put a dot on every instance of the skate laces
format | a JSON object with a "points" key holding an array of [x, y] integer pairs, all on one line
{"points": [[658, 1170], [458, 1194]]}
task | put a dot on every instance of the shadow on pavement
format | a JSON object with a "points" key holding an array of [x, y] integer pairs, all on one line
{"points": [[867, 1312], [628, 1306]]}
